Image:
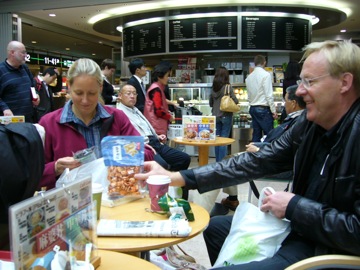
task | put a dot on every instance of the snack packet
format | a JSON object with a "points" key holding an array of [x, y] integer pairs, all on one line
{"points": [[176, 207], [124, 157], [86, 155]]}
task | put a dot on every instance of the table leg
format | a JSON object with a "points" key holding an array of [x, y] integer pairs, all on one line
{"points": [[203, 155]]}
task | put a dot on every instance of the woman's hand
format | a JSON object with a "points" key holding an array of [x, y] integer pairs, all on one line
{"points": [[66, 162]]}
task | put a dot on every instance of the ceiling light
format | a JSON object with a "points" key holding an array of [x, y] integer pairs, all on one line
{"points": [[68, 49], [119, 28], [52, 15], [315, 20], [343, 30], [164, 4], [33, 41], [93, 54]]}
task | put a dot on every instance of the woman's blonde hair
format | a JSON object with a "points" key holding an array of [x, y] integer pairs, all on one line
{"points": [[84, 66]]}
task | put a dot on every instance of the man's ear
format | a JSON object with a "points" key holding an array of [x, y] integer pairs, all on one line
{"points": [[347, 80]]}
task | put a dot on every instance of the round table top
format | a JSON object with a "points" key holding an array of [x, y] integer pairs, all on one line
{"points": [[217, 142], [116, 260], [135, 211]]}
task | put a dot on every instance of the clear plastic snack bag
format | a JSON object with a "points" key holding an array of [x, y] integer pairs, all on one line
{"points": [[123, 157], [86, 155]]}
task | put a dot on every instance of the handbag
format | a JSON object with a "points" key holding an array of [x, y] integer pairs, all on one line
{"points": [[227, 104], [254, 235], [170, 258]]}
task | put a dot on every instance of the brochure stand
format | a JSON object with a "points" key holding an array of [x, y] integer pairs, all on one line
{"points": [[57, 222]]}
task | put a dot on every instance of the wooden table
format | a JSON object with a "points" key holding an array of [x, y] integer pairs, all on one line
{"points": [[204, 146], [135, 211], [116, 260]]}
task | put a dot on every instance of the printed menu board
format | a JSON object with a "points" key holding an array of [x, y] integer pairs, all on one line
{"points": [[199, 34], [274, 33], [62, 218], [146, 38]]}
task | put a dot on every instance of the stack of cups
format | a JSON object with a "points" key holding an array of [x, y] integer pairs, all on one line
{"points": [[158, 186]]}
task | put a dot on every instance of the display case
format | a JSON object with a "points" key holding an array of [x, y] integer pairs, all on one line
{"points": [[192, 93], [199, 93]]}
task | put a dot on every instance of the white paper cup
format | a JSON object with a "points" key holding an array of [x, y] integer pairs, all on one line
{"points": [[158, 185]]}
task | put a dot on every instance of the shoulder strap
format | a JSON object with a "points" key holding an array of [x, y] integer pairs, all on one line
{"points": [[227, 90]]}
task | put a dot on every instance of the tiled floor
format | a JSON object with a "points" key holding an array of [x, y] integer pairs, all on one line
{"points": [[196, 246]]}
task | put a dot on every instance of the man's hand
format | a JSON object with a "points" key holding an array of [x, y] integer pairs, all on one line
{"points": [[36, 102], [276, 203], [162, 138], [8, 112], [251, 147], [275, 115], [153, 168]]}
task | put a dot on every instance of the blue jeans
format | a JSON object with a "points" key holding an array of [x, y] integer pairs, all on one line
{"points": [[223, 128], [262, 121]]}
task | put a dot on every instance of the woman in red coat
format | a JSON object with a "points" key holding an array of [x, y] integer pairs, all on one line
{"points": [[156, 108]]}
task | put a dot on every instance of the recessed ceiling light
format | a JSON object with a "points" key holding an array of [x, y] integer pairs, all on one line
{"points": [[68, 49], [343, 30], [93, 54], [52, 15], [33, 41]]}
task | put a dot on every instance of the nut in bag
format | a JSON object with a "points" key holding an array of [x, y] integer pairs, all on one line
{"points": [[123, 157]]}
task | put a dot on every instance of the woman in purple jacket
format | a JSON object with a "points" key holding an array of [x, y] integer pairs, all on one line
{"points": [[82, 123]]}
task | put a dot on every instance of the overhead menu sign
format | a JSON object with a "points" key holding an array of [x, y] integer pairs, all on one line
{"points": [[203, 34], [144, 39], [274, 33]]}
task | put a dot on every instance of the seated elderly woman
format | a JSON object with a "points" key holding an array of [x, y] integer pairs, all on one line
{"points": [[81, 123]]}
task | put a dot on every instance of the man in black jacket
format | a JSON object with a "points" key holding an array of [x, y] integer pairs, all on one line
{"points": [[45, 92], [108, 68], [323, 151], [138, 71]]}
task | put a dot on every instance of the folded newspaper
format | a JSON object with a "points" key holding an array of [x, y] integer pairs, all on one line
{"points": [[154, 228]]}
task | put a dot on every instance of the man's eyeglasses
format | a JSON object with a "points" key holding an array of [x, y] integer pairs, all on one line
{"points": [[307, 82], [130, 94]]}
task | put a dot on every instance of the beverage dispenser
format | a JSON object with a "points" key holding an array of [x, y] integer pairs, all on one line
{"points": [[208, 75]]}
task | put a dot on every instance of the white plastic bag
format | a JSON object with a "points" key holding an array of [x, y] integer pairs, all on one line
{"points": [[96, 169], [254, 235]]}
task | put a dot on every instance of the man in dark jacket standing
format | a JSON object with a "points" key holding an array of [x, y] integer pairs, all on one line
{"points": [[323, 151], [138, 71], [46, 95], [108, 68]]}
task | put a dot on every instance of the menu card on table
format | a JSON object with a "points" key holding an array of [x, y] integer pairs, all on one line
{"points": [[199, 128], [62, 219]]}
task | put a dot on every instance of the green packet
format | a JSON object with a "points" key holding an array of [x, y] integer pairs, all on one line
{"points": [[167, 203]]}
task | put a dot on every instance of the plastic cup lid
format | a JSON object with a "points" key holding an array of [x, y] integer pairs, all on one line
{"points": [[97, 188], [158, 180]]}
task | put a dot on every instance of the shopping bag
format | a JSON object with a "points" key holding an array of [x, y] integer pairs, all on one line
{"points": [[227, 104], [254, 235]]}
